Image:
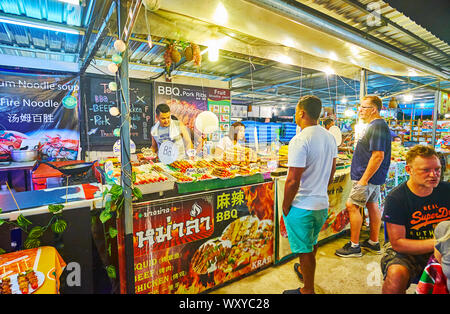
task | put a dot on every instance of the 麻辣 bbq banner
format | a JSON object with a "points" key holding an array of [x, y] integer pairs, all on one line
{"points": [[39, 111], [193, 244]]}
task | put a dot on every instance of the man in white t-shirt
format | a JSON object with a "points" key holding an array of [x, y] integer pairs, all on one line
{"points": [[312, 162]]}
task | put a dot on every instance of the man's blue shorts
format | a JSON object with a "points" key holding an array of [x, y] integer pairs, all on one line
{"points": [[303, 227]]}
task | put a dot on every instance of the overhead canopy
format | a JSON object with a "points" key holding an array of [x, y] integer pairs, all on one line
{"points": [[272, 51], [249, 28]]}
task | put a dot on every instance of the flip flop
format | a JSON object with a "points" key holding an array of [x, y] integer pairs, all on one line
{"points": [[292, 291], [296, 269]]}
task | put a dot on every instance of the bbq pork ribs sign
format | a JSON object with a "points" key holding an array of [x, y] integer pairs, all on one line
{"points": [[193, 244]]}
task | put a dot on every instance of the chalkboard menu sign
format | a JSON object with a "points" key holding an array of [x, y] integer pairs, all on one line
{"points": [[99, 125]]}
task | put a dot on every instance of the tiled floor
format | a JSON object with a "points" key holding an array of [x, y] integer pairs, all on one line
{"points": [[334, 275]]}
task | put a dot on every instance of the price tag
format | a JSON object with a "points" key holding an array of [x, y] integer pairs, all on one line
{"points": [[191, 171], [234, 168], [202, 170], [116, 148], [109, 170], [272, 165], [168, 152]]}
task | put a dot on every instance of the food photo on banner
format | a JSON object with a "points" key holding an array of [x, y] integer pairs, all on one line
{"points": [[186, 102], [194, 244], [39, 113]]}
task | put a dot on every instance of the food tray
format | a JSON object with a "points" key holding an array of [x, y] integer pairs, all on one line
{"points": [[207, 185], [156, 187]]}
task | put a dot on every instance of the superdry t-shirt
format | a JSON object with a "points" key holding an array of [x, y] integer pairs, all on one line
{"points": [[419, 215]]}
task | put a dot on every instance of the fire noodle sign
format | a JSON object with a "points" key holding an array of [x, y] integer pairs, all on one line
{"points": [[193, 244]]}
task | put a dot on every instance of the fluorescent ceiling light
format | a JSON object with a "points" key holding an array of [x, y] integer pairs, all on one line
{"points": [[40, 25], [72, 2], [213, 51], [408, 97], [283, 59], [220, 16], [328, 71]]}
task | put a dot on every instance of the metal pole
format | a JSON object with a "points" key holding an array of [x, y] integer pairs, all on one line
{"points": [[362, 85], [435, 116], [126, 169]]}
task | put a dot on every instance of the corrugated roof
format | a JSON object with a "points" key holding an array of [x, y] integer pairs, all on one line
{"points": [[250, 78]]}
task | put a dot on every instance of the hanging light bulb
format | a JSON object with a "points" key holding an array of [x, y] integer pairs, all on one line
{"points": [[113, 68], [149, 41], [114, 111], [112, 86], [116, 58], [329, 71], [344, 100], [119, 45], [213, 50]]}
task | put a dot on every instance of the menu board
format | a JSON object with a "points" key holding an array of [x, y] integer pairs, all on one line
{"points": [[99, 125]]}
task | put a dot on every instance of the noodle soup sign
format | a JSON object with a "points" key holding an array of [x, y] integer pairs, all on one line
{"points": [[193, 244]]}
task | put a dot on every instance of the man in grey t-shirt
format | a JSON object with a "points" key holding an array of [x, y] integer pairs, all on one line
{"points": [[167, 129]]}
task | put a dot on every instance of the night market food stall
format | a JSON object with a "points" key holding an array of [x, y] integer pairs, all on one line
{"points": [[151, 223]]}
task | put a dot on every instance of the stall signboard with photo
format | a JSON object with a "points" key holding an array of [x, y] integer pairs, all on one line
{"points": [[40, 112], [186, 102], [192, 244]]}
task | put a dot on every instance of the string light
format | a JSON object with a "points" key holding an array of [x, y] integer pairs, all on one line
{"points": [[120, 46], [116, 58], [114, 111], [113, 68], [112, 86]]}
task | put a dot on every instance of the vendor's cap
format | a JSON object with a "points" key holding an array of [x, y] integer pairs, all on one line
{"points": [[442, 235]]}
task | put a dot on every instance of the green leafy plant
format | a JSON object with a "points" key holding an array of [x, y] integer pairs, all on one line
{"points": [[113, 200], [34, 232]]}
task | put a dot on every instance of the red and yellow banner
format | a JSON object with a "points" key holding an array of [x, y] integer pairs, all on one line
{"points": [[194, 244]]}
